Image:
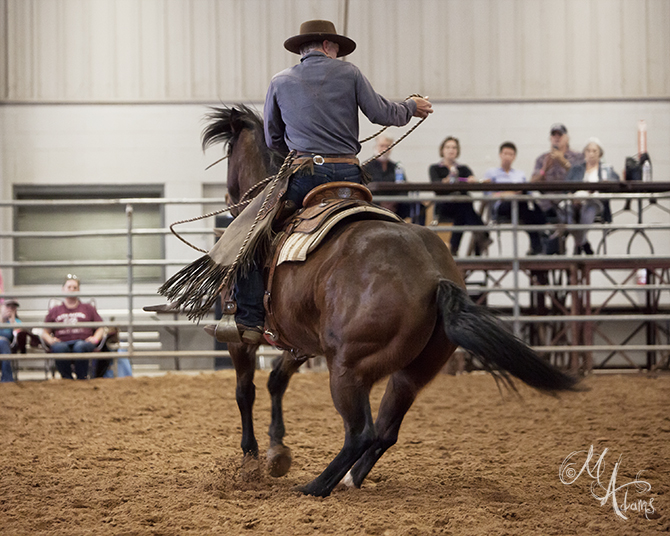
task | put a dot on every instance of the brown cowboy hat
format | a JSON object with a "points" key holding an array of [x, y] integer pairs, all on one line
{"points": [[319, 30]]}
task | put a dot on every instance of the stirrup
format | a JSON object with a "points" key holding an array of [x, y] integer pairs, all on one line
{"points": [[225, 331], [229, 331]]}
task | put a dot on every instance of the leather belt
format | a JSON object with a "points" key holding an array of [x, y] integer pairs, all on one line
{"points": [[319, 159]]}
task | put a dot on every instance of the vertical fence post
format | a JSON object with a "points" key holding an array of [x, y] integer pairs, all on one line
{"points": [[515, 265], [129, 220]]}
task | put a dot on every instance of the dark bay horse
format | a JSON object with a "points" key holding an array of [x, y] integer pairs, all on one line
{"points": [[376, 299]]}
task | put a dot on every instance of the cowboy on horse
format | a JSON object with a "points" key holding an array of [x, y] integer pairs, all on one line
{"points": [[312, 109], [311, 115], [376, 298]]}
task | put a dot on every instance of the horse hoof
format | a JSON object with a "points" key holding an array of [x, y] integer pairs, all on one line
{"points": [[279, 460], [311, 489], [250, 471]]}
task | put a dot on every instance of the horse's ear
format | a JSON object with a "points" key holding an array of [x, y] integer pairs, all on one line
{"points": [[235, 125]]}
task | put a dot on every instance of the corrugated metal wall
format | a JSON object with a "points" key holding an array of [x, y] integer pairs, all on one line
{"points": [[227, 50]]}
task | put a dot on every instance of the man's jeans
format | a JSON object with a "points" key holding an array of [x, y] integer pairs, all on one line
{"points": [[526, 217], [300, 184], [5, 348], [249, 289], [64, 366]]}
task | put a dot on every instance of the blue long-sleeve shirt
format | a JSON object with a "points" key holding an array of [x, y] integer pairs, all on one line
{"points": [[313, 107], [8, 333]]}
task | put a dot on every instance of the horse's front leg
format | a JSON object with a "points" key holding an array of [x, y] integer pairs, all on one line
{"points": [[244, 360], [279, 455]]}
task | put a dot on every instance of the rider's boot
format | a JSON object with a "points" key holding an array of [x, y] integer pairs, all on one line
{"points": [[227, 330]]}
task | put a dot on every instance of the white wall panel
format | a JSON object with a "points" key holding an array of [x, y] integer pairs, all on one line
{"points": [[507, 38], [228, 50], [208, 50], [127, 36], [634, 48], [178, 49], [4, 90], [102, 60], [152, 38], [658, 45]]}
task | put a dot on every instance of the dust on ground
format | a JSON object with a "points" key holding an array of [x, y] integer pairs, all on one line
{"points": [[162, 456]]}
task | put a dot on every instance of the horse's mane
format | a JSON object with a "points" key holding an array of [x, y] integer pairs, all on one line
{"points": [[224, 125]]}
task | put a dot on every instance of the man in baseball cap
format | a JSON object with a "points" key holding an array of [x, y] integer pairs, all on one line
{"points": [[558, 128], [553, 166]]}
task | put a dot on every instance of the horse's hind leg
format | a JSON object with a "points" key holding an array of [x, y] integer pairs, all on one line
{"points": [[279, 455], [401, 391], [351, 399]]}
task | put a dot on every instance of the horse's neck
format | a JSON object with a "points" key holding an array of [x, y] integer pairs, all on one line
{"points": [[246, 166]]}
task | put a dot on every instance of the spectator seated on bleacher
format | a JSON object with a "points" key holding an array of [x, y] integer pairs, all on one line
{"points": [[501, 210], [553, 166], [70, 338], [383, 169], [7, 337], [585, 209], [450, 171]]}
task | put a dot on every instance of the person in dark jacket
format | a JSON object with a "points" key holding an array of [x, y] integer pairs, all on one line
{"points": [[448, 170]]}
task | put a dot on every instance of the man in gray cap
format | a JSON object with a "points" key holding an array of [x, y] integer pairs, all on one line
{"points": [[553, 166], [312, 108]]}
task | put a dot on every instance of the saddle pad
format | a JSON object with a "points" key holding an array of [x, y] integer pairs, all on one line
{"points": [[298, 245]]}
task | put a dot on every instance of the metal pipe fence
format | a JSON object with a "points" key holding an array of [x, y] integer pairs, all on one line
{"points": [[517, 313]]}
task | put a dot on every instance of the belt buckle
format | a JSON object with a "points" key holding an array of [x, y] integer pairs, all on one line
{"points": [[319, 160]]}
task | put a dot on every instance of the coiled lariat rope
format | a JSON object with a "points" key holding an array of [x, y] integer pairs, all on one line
{"points": [[287, 162], [243, 203], [398, 140]]}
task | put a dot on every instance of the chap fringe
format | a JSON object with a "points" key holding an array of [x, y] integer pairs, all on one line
{"points": [[196, 287]]}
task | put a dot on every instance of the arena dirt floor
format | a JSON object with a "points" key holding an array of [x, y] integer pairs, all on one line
{"points": [[161, 456]]}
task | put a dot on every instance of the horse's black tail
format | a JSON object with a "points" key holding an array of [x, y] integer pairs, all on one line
{"points": [[477, 330]]}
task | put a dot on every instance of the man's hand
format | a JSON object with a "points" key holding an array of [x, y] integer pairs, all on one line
{"points": [[50, 339], [423, 107], [557, 156]]}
